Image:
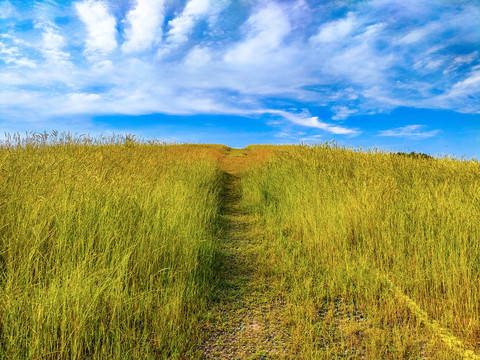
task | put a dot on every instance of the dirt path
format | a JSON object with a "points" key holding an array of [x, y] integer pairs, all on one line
{"points": [[247, 319]]}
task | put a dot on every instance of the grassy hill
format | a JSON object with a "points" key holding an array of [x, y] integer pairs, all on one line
{"points": [[117, 248]]}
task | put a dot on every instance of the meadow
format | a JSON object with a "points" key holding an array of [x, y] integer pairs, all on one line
{"points": [[377, 253], [114, 248], [106, 246]]}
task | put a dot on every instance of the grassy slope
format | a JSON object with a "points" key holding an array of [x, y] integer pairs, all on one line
{"points": [[370, 248], [111, 251], [106, 251]]}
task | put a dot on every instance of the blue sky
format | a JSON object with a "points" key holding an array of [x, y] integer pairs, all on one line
{"points": [[398, 75]]}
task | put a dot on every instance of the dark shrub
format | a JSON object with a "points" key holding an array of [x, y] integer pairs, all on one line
{"points": [[415, 155]]}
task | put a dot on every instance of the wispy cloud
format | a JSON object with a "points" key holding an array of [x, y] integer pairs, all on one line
{"points": [[342, 112], [472, 82], [53, 43], [410, 131], [182, 25], [7, 10], [335, 31], [265, 31], [306, 119], [312, 139], [144, 25], [11, 54], [100, 26]]}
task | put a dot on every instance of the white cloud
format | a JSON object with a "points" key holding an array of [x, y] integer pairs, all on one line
{"points": [[79, 102], [306, 119], [182, 26], [413, 36], [11, 55], [14, 39], [335, 31], [265, 31], [80, 97], [420, 35], [466, 59], [357, 60], [458, 61], [100, 26], [104, 66], [7, 10], [312, 138], [52, 44], [144, 25], [342, 112], [198, 57], [8, 50], [472, 82], [410, 131], [23, 62], [463, 96]]}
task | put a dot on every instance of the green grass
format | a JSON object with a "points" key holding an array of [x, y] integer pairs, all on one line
{"points": [[106, 249], [355, 236], [117, 248]]}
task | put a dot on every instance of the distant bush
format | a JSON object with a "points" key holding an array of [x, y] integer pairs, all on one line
{"points": [[415, 155]]}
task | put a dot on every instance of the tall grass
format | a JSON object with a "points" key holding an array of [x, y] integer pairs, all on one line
{"points": [[106, 246], [357, 228]]}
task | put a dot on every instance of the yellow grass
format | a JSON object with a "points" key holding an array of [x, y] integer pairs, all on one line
{"points": [[109, 248], [375, 233], [106, 247]]}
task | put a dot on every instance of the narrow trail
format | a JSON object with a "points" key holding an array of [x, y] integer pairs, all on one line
{"points": [[247, 319]]}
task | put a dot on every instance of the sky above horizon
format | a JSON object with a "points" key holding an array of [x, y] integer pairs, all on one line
{"points": [[396, 75]]}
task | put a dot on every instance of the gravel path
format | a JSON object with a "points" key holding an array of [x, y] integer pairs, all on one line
{"points": [[247, 320]]}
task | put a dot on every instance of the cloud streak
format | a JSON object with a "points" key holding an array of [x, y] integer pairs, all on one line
{"points": [[182, 26], [7, 10], [306, 119], [410, 131]]}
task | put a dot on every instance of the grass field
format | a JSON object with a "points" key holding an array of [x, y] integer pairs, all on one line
{"points": [[106, 249], [378, 253], [116, 248]]}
